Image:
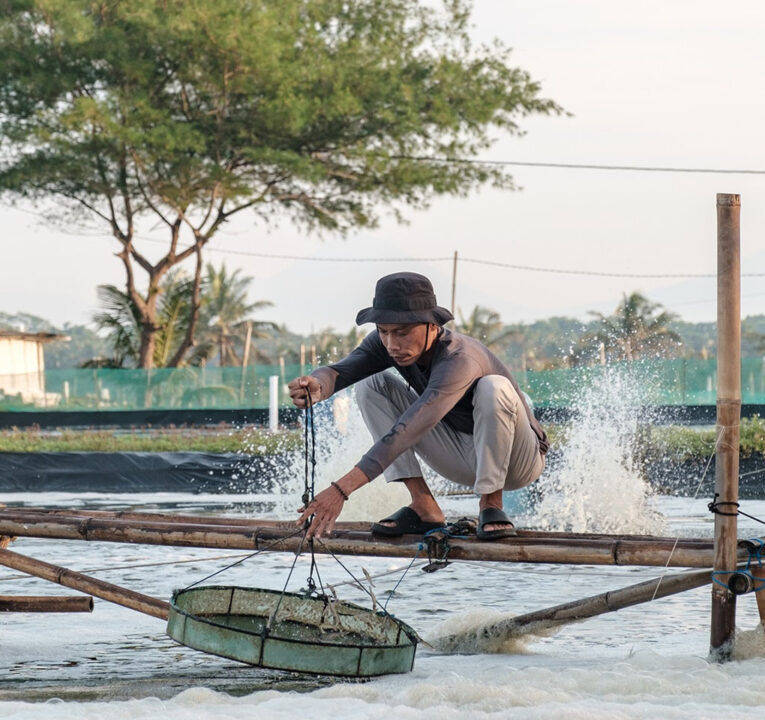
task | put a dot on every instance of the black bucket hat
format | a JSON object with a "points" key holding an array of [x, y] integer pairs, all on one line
{"points": [[404, 298]]}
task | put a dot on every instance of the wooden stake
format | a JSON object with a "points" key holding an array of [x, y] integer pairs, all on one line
{"points": [[46, 603], [84, 583], [728, 417]]}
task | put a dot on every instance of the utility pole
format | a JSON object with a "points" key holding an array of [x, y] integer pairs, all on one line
{"points": [[454, 284]]}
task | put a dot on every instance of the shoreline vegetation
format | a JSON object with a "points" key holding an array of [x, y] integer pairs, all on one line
{"points": [[652, 442]]}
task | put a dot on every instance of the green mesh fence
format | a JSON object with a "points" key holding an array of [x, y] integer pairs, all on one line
{"points": [[654, 382], [660, 382], [158, 389]]}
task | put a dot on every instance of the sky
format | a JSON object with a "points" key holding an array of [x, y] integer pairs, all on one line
{"points": [[669, 83]]}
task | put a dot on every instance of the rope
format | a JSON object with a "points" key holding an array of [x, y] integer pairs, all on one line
{"points": [[714, 505], [137, 565], [286, 583], [401, 579], [358, 582], [246, 557], [695, 495], [755, 547]]}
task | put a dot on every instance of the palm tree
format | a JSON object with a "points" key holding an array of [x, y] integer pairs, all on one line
{"points": [[485, 325], [332, 345], [120, 319], [225, 315], [637, 328]]}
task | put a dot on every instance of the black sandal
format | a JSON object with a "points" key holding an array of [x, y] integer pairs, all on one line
{"points": [[491, 516], [406, 521]]}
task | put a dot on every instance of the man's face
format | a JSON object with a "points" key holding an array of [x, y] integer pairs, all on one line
{"points": [[406, 343]]}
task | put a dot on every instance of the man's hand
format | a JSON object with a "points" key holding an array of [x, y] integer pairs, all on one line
{"points": [[328, 504], [299, 389]]}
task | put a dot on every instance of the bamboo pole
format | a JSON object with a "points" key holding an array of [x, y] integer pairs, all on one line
{"points": [[723, 624], [470, 640], [36, 514], [599, 551], [85, 583], [46, 603]]}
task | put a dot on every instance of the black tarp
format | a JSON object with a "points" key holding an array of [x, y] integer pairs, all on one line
{"points": [[130, 472]]}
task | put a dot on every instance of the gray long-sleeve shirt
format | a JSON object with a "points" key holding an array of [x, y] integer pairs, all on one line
{"points": [[445, 388]]}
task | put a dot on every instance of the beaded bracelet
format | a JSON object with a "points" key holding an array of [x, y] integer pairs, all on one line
{"points": [[340, 490]]}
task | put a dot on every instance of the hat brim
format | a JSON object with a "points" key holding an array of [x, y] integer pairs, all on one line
{"points": [[437, 315]]}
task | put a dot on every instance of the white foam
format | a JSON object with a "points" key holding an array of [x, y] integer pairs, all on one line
{"points": [[338, 449]]}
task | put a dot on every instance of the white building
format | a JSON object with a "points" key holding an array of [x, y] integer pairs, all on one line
{"points": [[22, 365]]}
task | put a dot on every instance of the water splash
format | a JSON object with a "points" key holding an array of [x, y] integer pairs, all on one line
{"points": [[341, 439], [596, 485], [486, 631], [749, 643]]}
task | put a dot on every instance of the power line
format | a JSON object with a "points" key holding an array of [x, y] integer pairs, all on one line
{"points": [[316, 258], [450, 258], [592, 273], [477, 261], [584, 166]]}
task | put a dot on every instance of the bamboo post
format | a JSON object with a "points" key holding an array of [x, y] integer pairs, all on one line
{"points": [[84, 583], [245, 360], [273, 403], [46, 603], [759, 573], [470, 640], [728, 416]]}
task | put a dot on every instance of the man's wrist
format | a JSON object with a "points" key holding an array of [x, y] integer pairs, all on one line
{"points": [[352, 481]]}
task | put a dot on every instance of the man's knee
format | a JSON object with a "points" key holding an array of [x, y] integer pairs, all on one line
{"points": [[495, 392], [372, 386]]}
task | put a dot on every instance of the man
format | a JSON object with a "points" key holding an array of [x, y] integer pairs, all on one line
{"points": [[452, 402]]}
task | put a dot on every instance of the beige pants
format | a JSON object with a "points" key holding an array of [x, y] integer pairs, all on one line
{"points": [[501, 454]]}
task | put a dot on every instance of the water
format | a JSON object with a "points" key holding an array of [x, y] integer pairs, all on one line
{"points": [[648, 661], [597, 487]]}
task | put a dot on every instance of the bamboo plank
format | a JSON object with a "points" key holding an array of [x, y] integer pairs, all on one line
{"points": [[353, 526], [559, 550]]}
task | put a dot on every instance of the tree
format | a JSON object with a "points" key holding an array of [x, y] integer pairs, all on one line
{"points": [[637, 328], [485, 325], [120, 320], [226, 315], [332, 345], [188, 112]]}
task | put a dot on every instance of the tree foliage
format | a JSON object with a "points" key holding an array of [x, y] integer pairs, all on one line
{"points": [[187, 112], [638, 328], [485, 325], [224, 316]]}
